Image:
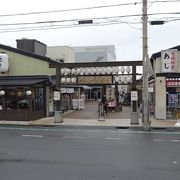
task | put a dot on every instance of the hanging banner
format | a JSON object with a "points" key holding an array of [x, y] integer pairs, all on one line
{"points": [[169, 60]]}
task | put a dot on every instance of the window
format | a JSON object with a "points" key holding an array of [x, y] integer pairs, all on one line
{"points": [[39, 99], [16, 99]]}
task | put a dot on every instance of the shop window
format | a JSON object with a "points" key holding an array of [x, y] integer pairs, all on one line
{"points": [[1, 105], [16, 99], [39, 99]]}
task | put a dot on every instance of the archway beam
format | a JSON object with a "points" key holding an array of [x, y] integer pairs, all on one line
{"points": [[95, 64]]}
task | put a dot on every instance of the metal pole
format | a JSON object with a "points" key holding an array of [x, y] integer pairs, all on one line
{"points": [[145, 110]]}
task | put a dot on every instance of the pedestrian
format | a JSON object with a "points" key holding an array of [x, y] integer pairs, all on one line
{"points": [[140, 107], [95, 96], [104, 102]]}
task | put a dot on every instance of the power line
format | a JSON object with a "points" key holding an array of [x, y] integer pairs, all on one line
{"points": [[99, 18], [109, 20], [69, 20], [72, 9], [85, 8], [60, 26], [164, 1], [47, 27]]}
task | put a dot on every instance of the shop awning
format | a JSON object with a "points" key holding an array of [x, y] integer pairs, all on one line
{"points": [[22, 81]]}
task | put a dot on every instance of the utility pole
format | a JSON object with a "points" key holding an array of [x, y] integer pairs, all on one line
{"points": [[145, 104], [58, 116]]}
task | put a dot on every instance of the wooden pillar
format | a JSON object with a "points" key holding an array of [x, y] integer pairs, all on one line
{"points": [[116, 93], [134, 103]]}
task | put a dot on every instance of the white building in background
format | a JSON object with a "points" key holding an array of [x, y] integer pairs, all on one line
{"points": [[60, 53], [95, 53]]}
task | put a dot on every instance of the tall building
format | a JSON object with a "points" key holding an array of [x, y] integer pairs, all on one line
{"points": [[95, 53]]}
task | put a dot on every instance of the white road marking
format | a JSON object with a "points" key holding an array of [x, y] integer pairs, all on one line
{"points": [[175, 140], [165, 140], [73, 137], [159, 140], [31, 135], [117, 138]]}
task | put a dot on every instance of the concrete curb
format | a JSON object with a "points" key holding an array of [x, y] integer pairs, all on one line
{"points": [[59, 125]]}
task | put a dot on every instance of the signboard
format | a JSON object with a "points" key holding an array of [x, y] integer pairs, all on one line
{"points": [[4, 62], [134, 96], [169, 60], [56, 95], [95, 80], [110, 93], [67, 90], [78, 103], [150, 89]]}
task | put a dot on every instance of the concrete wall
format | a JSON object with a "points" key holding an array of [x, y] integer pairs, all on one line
{"points": [[40, 48], [61, 52], [160, 100], [31, 45], [95, 53], [21, 65], [98, 56]]}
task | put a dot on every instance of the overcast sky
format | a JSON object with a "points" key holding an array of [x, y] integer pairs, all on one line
{"points": [[125, 33]]}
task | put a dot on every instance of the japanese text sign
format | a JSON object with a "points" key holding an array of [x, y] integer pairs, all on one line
{"points": [[169, 60]]}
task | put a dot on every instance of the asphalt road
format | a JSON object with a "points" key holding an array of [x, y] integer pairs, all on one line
{"points": [[88, 154]]}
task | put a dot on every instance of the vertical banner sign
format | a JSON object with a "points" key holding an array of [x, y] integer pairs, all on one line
{"points": [[169, 60]]}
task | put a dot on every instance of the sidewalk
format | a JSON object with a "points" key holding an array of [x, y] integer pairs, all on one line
{"points": [[106, 122], [93, 122], [88, 117]]}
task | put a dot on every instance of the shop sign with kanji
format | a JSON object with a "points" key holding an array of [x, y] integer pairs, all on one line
{"points": [[169, 60]]}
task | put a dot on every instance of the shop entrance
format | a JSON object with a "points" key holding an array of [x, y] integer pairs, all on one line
{"points": [[173, 102], [94, 94], [99, 76]]}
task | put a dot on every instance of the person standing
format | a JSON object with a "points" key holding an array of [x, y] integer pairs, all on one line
{"points": [[104, 102]]}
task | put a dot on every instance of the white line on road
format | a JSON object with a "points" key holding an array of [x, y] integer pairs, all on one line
{"points": [[163, 140], [175, 140], [159, 140], [31, 135], [174, 162], [117, 138], [73, 137]]}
